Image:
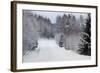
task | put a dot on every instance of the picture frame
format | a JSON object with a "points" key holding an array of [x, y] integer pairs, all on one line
{"points": [[59, 33]]}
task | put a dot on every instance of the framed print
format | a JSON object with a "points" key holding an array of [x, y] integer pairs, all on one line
{"points": [[47, 36]]}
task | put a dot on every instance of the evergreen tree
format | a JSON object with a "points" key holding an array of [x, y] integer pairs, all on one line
{"points": [[85, 46]]}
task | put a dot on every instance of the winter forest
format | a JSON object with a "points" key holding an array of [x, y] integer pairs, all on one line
{"points": [[56, 36]]}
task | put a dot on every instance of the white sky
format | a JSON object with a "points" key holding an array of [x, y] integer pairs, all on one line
{"points": [[52, 15]]}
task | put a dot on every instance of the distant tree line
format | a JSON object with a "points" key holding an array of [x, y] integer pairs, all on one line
{"points": [[46, 28]]}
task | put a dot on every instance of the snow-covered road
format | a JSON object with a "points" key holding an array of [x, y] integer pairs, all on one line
{"points": [[48, 50]]}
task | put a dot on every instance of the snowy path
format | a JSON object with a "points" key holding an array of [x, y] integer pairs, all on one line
{"points": [[48, 50]]}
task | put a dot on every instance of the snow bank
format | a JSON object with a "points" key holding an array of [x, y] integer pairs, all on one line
{"points": [[48, 50]]}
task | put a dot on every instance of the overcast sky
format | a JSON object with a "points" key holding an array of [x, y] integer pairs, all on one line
{"points": [[52, 15]]}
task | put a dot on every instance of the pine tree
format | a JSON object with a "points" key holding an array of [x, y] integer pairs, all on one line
{"points": [[85, 48]]}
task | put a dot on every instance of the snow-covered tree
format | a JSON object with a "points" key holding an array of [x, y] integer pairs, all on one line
{"points": [[85, 46], [67, 26], [30, 31]]}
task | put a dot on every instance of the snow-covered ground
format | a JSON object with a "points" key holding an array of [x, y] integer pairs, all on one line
{"points": [[48, 50]]}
